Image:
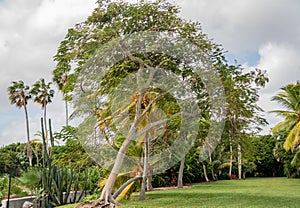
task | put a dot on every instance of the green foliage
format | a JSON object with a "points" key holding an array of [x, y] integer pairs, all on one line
{"points": [[285, 158], [13, 154], [71, 154], [31, 179], [114, 19], [3, 186], [16, 189], [66, 133], [193, 172], [261, 154]]}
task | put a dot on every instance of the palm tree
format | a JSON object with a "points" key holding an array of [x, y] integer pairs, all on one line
{"points": [[61, 80], [42, 94], [19, 95], [289, 98]]}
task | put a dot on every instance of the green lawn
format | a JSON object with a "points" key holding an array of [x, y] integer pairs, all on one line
{"points": [[254, 192]]}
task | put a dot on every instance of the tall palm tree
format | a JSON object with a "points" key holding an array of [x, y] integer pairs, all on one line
{"points": [[289, 98], [42, 94], [19, 95]]}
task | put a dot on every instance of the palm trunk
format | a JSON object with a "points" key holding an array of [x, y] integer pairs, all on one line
{"points": [[240, 161], [29, 148], [45, 121], [180, 174]]}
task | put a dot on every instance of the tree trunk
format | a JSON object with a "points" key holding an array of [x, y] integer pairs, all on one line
{"points": [[106, 197], [180, 174], [149, 176], [240, 161], [149, 180], [29, 148], [212, 168], [230, 161], [145, 171], [204, 171]]}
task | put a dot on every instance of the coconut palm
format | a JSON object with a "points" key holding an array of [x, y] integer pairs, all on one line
{"points": [[42, 94], [19, 95], [289, 98]]}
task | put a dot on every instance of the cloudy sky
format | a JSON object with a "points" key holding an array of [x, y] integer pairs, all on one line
{"points": [[256, 33]]}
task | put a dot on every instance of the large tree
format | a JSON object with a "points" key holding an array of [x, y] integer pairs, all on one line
{"points": [[243, 113], [101, 53], [19, 94]]}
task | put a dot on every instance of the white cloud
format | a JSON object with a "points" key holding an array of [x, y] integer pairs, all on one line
{"points": [[283, 67], [282, 64], [245, 25]]}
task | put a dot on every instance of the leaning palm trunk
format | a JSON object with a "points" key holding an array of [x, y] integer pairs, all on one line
{"points": [[127, 183]]}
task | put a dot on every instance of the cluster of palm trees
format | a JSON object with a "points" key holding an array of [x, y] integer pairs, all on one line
{"points": [[19, 95]]}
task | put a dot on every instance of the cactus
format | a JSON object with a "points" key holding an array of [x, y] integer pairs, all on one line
{"points": [[55, 180]]}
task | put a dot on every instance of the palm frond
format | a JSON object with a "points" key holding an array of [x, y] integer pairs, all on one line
{"points": [[285, 125], [285, 113], [293, 138], [125, 194]]}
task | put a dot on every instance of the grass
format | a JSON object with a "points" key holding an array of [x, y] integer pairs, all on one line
{"points": [[253, 192]]}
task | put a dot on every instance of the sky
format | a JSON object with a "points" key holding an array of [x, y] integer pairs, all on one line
{"points": [[261, 34]]}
